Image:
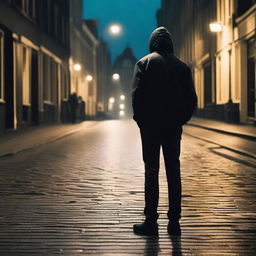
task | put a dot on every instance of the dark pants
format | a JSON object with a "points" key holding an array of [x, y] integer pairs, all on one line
{"points": [[152, 140]]}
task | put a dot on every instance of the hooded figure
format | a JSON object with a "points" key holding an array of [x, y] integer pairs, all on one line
{"points": [[163, 100]]}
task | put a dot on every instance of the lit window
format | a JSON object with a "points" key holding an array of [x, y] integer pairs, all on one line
{"points": [[26, 76]]}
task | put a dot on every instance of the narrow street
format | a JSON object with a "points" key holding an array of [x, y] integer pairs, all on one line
{"points": [[81, 195]]}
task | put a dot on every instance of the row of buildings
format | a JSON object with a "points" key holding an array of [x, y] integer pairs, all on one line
{"points": [[48, 51], [223, 58]]}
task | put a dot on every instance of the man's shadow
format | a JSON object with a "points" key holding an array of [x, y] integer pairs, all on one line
{"points": [[176, 245], [152, 247]]}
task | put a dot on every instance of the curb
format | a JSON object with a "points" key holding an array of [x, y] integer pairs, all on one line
{"points": [[241, 135], [236, 150]]}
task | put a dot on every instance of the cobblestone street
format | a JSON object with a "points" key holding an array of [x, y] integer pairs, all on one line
{"points": [[81, 195]]}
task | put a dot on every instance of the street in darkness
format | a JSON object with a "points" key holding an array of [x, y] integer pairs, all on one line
{"points": [[81, 194]]}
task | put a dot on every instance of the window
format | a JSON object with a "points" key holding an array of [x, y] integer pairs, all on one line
{"points": [[26, 76], [1, 66], [251, 80], [27, 6], [243, 6], [46, 78], [207, 84], [64, 84], [50, 79], [18, 3]]}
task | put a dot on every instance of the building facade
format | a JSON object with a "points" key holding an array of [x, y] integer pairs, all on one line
{"points": [[223, 62], [34, 52], [104, 73], [122, 87], [83, 58]]}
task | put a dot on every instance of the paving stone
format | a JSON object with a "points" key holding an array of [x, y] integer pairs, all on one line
{"points": [[81, 195]]}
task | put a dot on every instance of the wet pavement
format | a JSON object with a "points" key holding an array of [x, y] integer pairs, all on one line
{"points": [[80, 195]]}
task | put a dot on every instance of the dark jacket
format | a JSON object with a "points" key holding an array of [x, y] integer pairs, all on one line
{"points": [[163, 89]]}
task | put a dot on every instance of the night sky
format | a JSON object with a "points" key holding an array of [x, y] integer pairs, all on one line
{"points": [[138, 18]]}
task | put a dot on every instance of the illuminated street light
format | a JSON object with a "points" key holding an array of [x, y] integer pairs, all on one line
{"points": [[121, 113], [122, 106], [77, 67], [112, 100], [89, 78], [115, 29], [116, 76], [215, 27], [122, 97]]}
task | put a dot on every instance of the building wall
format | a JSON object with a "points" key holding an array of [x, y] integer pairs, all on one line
{"points": [[124, 66], [34, 54], [218, 60], [104, 77], [83, 45]]}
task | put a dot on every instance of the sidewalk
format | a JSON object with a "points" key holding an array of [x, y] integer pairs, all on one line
{"points": [[240, 130], [16, 141]]}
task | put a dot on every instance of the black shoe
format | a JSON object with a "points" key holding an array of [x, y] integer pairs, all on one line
{"points": [[146, 228], [174, 228]]}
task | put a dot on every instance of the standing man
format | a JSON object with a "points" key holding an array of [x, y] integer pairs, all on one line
{"points": [[163, 100], [73, 103]]}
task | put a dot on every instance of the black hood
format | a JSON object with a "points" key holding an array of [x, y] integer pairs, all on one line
{"points": [[161, 41]]}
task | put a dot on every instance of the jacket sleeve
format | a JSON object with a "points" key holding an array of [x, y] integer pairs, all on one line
{"points": [[190, 97], [137, 85]]}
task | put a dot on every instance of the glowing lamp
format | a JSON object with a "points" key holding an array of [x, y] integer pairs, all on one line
{"points": [[77, 67], [111, 100], [89, 78], [116, 76], [121, 113], [115, 29], [215, 27]]}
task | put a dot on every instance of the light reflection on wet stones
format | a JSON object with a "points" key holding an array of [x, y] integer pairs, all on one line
{"points": [[82, 194]]}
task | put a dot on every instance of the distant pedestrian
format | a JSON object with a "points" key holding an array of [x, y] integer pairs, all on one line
{"points": [[163, 100], [73, 103]]}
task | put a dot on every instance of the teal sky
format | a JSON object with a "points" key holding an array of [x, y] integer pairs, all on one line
{"points": [[138, 18]]}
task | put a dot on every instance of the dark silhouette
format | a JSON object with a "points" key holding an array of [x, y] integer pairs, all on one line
{"points": [[81, 108], [163, 100], [73, 103]]}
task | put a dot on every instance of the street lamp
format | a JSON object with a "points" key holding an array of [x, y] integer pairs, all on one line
{"points": [[115, 29], [116, 77], [121, 113], [89, 78], [112, 100], [77, 67], [215, 27]]}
